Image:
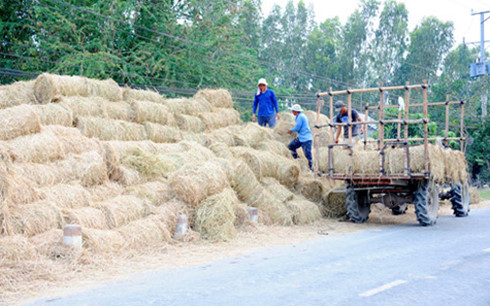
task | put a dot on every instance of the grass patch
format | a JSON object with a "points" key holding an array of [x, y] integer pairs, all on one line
{"points": [[484, 194]]}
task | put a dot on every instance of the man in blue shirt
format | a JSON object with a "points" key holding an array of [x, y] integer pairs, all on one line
{"points": [[304, 138], [266, 101]]}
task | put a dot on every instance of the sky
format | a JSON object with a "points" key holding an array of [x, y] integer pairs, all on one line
{"points": [[457, 11]]}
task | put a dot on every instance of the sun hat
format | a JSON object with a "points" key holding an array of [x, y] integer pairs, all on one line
{"points": [[339, 104], [262, 81], [296, 108]]}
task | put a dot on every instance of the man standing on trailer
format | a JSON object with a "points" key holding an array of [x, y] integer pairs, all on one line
{"points": [[304, 138], [266, 101], [342, 117]]}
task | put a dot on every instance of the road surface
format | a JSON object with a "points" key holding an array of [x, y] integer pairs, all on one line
{"points": [[447, 264]]}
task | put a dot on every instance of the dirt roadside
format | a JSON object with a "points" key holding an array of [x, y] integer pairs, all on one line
{"points": [[197, 252]]}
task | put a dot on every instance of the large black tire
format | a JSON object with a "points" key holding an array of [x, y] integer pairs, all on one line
{"points": [[399, 209], [357, 205], [426, 201], [460, 199]]}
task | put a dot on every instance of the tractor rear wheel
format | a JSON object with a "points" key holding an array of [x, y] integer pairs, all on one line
{"points": [[460, 199], [357, 205], [426, 201]]}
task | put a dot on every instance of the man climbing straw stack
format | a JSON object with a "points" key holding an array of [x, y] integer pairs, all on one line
{"points": [[304, 138]]}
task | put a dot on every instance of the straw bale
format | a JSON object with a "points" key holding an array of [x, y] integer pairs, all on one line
{"points": [[86, 217], [102, 241], [123, 209], [272, 210], [194, 182], [37, 148], [99, 193], [474, 196], [118, 110], [342, 161], [21, 190], [143, 111], [50, 87], [73, 142], [216, 97], [32, 219], [190, 123], [281, 193], [188, 106], [162, 133], [334, 202], [50, 244], [65, 195], [221, 150], [215, 218], [281, 132], [303, 211], [125, 176], [199, 138], [220, 118], [245, 183], [109, 129], [287, 116], [157, 192], [276, 147], [250, 158], [16, 248], [311, 115], [132, 94], [85, 107], [312, 188], [144, 233], [193, 150], [253, 134], [365, 161], [455, 168], [53, 114], [241, 214], [151, 165], [169, 212], [89, 167], [17, 121], [226, 136], [18, 93], [116, 149]]}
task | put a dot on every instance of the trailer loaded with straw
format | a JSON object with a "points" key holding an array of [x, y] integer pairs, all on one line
{"points": [[396, 171]]}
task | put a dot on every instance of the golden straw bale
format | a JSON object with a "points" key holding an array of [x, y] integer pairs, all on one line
{"points": [[216, 97], [311, 188], [18, 93], [50, 244], [158, 192], [311, 115], [118, 110], [109, 129], [50, 87], [162, 133], [131, 94], [287, 116], [125, 176], [116, 149], [123, 209], [281, 193], [220, 118], [250, 158], [188, 106], [241, 215], [73, 142], [21, 189], [281, 132], [143, 233], [474, 196], [215, 218], [85, 107], [53, 114], [342, 161], [253, 134], [32, 219], [108, 190], [200, 138], [16, 248], [221, 150], [226, 136], [17, 121], [276, 147], [37, 148], [190, 123], [303, 211], [143, 111], [334, 201], [455, 169], [169, 212], [66, 195], [102, 241], [151, 165], [365, 161], [271, 210], [86, 217], [245, 183], [190, 148], [194, 182]]}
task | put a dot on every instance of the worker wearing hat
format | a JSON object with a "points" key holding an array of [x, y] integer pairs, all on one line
{"points": [[266, 102], [342, 117], [304, 138]]}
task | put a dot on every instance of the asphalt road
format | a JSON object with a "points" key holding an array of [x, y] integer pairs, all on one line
{"points": [[447, 264]]}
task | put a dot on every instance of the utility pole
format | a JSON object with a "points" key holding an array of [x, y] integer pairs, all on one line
{"points": [[481, 68]]}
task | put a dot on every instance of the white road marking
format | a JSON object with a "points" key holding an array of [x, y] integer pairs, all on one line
{"points": [[383, 288], [486, 250]]}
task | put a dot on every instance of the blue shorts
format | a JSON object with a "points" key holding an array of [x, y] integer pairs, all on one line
{"points": [[267, 120]]}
